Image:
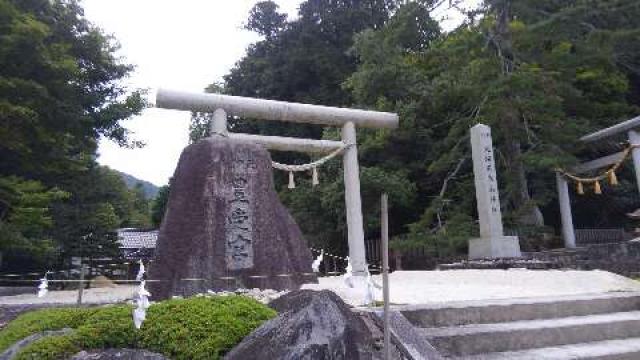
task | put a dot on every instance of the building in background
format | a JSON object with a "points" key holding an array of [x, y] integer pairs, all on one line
{"points": [[137, 244]]}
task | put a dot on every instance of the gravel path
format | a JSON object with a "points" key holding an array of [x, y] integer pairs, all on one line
{"points": [[407, 287], [104, 295], [422, 287]]}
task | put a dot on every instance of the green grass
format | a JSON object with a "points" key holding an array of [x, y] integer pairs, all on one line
{"points": [[194, 328]]}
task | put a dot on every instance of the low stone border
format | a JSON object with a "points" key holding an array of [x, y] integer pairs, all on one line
{"points": [[13, 350]]}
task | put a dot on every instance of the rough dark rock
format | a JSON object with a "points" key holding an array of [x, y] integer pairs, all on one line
{"points": [[14, 349], [118, 354], [225, 224], [312, 325]]}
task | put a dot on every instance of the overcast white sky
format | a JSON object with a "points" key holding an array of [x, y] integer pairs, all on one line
{"points": [[175, 44]]}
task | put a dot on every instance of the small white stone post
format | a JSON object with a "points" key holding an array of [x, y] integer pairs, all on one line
{"points": [[634, 139], [568, 232], [353, 201], [384, 232], [492, 242], [219, 123]]}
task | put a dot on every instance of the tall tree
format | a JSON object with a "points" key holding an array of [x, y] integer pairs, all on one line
{"points": [[265, 19], [25, 223], [533, 71], [60, 90], [304, 60], [159, 205], [100, 204]]}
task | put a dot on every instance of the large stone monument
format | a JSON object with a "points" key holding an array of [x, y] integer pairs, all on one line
{"points": [[492, 242], [225, 226]]}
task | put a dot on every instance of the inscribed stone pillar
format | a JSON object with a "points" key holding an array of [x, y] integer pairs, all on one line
{"points": [[492, 242], [225, 226]]}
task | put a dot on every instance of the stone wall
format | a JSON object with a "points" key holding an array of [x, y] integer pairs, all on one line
{"points": [[621, 258]]}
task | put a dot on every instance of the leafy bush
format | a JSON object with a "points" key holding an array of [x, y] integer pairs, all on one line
{"points": [[42, 320], [50, 348], [201, 327], [195, 328], [111, 327]]}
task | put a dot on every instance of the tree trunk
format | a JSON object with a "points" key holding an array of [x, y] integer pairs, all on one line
{"points": [[528, 213]]}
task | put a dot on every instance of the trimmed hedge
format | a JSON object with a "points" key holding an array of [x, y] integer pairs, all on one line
{"points": [[194, 328]]}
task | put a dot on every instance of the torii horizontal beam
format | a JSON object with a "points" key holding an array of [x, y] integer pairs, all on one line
{"points": [[613, 130], [598, 163], [274, 110], [281, 143]]}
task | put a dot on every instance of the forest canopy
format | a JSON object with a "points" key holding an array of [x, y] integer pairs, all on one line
{"points": [[540, 73], [60, 91]]}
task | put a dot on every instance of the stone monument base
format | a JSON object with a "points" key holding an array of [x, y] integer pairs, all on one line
{"points": [[497, 247]]}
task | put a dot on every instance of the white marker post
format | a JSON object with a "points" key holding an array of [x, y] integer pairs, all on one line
{"points": [[384, 224], [492, 242]]}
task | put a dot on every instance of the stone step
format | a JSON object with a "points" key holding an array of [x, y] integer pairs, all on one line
{"points": [[530, 334], [623, 349], [495, 311]]}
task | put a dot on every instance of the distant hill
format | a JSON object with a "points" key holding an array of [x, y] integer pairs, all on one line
{"points": [[150, 190]]}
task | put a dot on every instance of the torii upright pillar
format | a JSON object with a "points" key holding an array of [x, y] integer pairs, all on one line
{"points": [[634, 139], [568, 232], [353, 202]]}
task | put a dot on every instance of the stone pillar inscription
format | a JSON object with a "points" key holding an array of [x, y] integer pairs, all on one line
{"points": [[492, 242], [239, 232], [486, 181]]}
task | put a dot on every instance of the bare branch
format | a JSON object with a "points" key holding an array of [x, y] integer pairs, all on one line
{"points": [[451, 176]]}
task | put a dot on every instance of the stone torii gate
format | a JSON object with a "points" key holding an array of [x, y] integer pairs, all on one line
{"points": [[223, 105], [632, 129]]}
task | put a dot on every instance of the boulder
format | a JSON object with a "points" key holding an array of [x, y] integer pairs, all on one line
{"points": [[225, 227], [312, 325], [118, 354]]}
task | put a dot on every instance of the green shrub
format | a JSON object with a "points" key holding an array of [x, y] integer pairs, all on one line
{"points": [[201, 327], [194, 328], [111, 327], [41, 320], [50, 348]]}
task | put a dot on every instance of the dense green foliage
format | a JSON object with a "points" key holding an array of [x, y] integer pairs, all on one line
{"points": [[540, 81], [540, 73], [159, 205], [194, 328], [42, 320], [50, 348], [201, 327], [100, 328], [108, 327], [60, 91]]}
